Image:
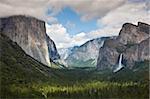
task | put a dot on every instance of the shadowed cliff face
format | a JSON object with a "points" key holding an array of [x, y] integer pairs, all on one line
{"points": [[53, 53], [30, 35], [132, 42]]}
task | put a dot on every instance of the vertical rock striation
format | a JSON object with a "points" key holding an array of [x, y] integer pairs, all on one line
{"points": [[132, 42], [30, 35]]}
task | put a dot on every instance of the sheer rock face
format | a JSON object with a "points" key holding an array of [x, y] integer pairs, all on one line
{"points": [[53, 53], [138, 52], [88, 50], [30, 35], [133, 34], [132, 42]]}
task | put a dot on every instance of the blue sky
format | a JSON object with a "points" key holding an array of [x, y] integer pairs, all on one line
{"points": [[73, 23], [79, 23], [65, 17]]}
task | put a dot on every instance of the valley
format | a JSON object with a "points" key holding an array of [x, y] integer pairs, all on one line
{"points": [[107, 67], [26, 77]]}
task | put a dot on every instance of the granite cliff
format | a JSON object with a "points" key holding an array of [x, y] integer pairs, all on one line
{"points": [[30, 34], [132, 42]]}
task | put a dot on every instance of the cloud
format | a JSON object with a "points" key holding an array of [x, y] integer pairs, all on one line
{"points": [[129, 12], [34, 8], [88, 9], [15, 7], [97, 9], [80, 39], [110, 15], [111, 23], [62, 38], [105, 32], [70, 25], [47, 9]]}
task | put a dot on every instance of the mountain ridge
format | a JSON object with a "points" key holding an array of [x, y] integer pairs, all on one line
{"points": [[85, 54], [22, 76]]}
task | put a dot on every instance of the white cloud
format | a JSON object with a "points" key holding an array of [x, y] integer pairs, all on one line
{"points": [[38, 8], [80, 38], [62, 38], [105, 32], [129, 12], [88, 9], [111, 25], [111, 14], [29, 7], [96, 9], [59, 32], [70, 25]]}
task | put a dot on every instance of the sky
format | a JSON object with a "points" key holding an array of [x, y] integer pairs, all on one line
{"points": [[73, 22]]}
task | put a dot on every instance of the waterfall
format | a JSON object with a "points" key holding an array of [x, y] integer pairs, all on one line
{"points": [[119, 64], [120, 60]]}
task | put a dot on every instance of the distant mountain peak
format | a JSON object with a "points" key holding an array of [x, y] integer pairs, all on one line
{"points": [[84, 55]]}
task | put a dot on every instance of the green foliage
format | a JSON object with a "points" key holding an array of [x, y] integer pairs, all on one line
{"points": [[95, 90], [23, 77], [81, 63]]}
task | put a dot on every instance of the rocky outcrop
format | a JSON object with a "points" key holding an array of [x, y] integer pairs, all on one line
{"points": [[132, 42], [30, 35], [133, 34]]}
